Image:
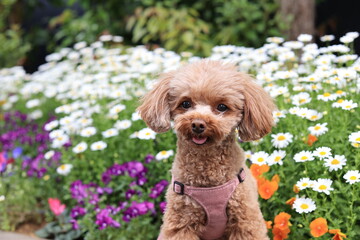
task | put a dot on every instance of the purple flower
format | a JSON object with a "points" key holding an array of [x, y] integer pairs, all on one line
{"points": [[162, 206], [158, 189], [77, 211], [78, 190], [149, 158], [136, 209], [103, 220], [75, 224], [17, 152]]}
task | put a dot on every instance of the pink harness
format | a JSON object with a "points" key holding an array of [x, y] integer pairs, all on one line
{"points": [[214, 201]]}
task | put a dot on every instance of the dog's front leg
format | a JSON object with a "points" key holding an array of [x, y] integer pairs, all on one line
{"points": [[183, 219], [245, 221]]}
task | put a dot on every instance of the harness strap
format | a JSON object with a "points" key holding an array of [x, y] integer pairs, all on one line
{"points": [[214, 201]]}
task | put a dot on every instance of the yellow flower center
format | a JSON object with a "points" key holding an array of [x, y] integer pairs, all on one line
{"points": [[322, 153], [340, 100], [317, 127], [323, 187], [147, 134], [260, 159], [314, 117], [302, 100], [304, 206], [353, 178], [339, 92], [304, 157], [163, 153], [278, 158], [62, 167], [326, 94], [304, 184], [357, 139], [281, 138], [335, 162]]}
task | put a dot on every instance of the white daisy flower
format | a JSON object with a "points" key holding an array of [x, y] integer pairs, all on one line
{"points": [[323, 185], [322, 152], [319, 129], [303, 156], [51, 125], [340, 93], [259, 158], [88, 132], [110, 133], [313, 115], [96, 146], [164, 155], [84, 122], [348, 105], [338, 103], [248, 154], [116, 109], [279, 114], [352, 176], [327, 38], [326, 97], [135, 116], [304, 38], [64, 169], [123, 124], [276, 40], [79, 148], [301, 98], [32, 103], [276, 157], [304, 183], [146, 134], [335, 163], [354, 137], [66, 120], [281, 140], [60, 141], [56, 133], [49, 154], [304, 205]]}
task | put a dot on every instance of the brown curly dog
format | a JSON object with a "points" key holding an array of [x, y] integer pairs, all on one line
{"points": [[212, 195]]}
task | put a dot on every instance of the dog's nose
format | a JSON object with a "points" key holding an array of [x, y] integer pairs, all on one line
{"points": [[198, 126]]}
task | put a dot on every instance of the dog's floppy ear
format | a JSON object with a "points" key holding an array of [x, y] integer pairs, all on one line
{"points": [[257, 118], [154, 108]]}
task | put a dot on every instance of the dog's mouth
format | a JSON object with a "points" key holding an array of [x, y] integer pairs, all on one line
{"points": [[199, 140]]}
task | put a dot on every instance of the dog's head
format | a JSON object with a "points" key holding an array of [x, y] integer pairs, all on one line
{"points": [[207, 101]]}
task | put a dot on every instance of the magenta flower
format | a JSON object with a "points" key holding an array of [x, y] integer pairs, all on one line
{"points": [[55, 206]]}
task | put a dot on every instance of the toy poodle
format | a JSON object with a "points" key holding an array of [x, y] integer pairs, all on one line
{"points": [[212, 194]]}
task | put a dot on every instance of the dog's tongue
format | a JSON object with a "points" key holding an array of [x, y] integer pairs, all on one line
{"points": [[200, 140]]}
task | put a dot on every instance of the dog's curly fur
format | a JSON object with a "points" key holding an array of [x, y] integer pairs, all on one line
{"points": [[205, 85]]}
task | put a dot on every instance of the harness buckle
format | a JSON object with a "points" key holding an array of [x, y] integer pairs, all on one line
{"points": [[241, 175], [178, 187]]}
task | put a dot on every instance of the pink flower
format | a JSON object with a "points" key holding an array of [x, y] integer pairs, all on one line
{"points": [[55, 206]]}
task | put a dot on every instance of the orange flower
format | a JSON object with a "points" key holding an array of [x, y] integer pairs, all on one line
{"points": [[338, 234], [291, 201], [296, 189], [268, 224], [267, 189], [318, 227], [282, 220], [280, 234], [258, 170], [276, 178], [311, 139]]}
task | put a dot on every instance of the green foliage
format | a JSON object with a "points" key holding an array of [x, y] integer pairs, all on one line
{"points": [[12, 47], [60, 229], [199, 26], [176, 29]]}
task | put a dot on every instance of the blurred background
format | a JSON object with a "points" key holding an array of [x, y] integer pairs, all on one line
{"points": [[31, 29]]}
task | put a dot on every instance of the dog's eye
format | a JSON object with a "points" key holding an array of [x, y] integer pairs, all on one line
{"points": [[222, 107], [186, 104]]}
